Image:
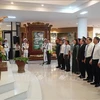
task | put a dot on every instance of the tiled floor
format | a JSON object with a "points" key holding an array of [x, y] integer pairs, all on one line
{"points": [[60, 85]]}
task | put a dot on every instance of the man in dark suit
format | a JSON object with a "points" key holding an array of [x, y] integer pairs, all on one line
{"points": [[58, 52], [81, 57]]}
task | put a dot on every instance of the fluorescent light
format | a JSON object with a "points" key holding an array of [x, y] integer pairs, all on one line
{"points": [[84, 12], [42, 5], [70, 7], [69, 10], [11, 17], [8, 25], [12, 3]]}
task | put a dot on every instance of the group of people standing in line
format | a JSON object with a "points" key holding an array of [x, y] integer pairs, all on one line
{"points": [[85, 58], [24, 48]]}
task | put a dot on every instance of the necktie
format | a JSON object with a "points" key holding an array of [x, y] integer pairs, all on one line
{"points": [[92, 52]]}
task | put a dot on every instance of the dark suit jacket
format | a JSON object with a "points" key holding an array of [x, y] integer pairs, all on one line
{"points": [[81, 52], [58, 49]]}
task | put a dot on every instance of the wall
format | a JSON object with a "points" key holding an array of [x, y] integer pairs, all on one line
{"points": [[67, 30], [72, 30], [96, 30]]}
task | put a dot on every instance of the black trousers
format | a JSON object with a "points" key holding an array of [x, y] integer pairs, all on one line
{"points": [[89, 69], [58, 60], [17, 54], [62, 61], [67, 62], [96, 71], [48, 57], [82, 68]]}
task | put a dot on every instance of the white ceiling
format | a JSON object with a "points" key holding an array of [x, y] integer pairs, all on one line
{"points": [[59, 13]]}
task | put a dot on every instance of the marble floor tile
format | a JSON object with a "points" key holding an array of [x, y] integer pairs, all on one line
{"points": [[60, 85]]}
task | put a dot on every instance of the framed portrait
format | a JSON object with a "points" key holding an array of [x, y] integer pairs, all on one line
{"points": [[37, 39]]}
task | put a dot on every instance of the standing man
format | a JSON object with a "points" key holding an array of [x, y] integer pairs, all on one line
{"points": [[81, 58], [88, 53], [6, 48], [44, 49], [95, 61], [62, 50], [25, 47], [67, 55], [58, 52], [49, 51]]}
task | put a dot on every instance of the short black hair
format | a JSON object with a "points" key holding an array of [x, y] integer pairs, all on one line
{"points": [[83, 41], [84, 38], [89, 38], [97, 38], [79, 39], [67, 41], [76, 41]]}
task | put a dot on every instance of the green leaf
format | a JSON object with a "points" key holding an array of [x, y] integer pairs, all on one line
{"points": [[2, 56], [24, 59]]}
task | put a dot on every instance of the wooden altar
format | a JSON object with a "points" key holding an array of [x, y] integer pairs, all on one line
{"points": [[35, 33]]}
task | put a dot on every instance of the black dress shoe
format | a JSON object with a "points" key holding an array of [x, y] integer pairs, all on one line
{"points": [[62, 69], [97, 85], [67, 70], [89, 81], [82, 77], [85, 79], [93, 83], [57, 67], [48, 64], [77, 73]]}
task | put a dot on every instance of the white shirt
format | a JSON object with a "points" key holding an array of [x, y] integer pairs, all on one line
{"points": [[62, 49], [88, 50], [96, 53], [6, 46], [49, 47], [44, 47], [67, 49], [17, 47], [25, 45]]}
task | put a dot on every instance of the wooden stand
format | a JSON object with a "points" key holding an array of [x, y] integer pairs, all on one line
{"points": [[3, 67]]}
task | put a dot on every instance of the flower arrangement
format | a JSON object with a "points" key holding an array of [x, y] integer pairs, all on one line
{"points": [[2, 56], [1, 39]]}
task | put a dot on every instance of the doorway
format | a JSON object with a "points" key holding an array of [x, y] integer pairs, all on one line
{"points": [[8, 35]]}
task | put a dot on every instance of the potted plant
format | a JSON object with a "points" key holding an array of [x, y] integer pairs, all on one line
{"points": [[21, 61], [2, 56]]}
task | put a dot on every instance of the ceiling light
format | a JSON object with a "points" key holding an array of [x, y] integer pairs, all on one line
{"points": [[42, 5], [8, 25], [84, 12], [70, 7], [12, 3], [11, 17]]}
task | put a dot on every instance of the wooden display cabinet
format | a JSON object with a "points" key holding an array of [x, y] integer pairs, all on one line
{"points": [[35, 33]]}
